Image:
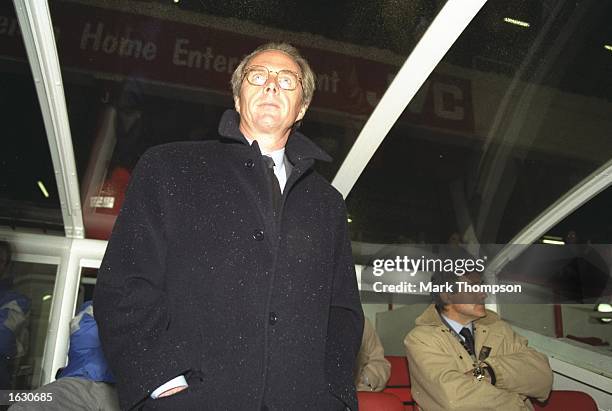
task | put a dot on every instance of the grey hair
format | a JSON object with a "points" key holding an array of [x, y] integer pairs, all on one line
{"points": [[440, 279], [308, 76]]}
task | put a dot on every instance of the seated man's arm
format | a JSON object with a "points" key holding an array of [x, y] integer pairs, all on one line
{"points": [[438, 384], [131, 302], [375, 368], [524, 370]]}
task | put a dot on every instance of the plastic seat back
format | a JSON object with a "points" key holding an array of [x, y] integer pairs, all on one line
{"points": [[567, 400], [378, 401]]}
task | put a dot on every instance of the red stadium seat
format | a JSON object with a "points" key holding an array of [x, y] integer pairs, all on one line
{"points": [[378, 401], [399, 371], [567, 400], [399, 381]]}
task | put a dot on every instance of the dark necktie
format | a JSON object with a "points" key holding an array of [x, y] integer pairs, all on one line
{"points": [[469, 340], [273, 184]]}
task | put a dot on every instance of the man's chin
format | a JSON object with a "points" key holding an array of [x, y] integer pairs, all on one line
{"points": [[267, 124], [268, 120], [480, 309]]}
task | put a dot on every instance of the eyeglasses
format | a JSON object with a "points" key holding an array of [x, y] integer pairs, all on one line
{"points": [[286, 79]]}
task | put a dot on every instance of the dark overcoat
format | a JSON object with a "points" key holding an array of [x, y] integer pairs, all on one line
{"points": [[200, 279]]}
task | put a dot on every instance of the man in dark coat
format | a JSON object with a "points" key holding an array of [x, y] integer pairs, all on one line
{"points": [[228, 282]]}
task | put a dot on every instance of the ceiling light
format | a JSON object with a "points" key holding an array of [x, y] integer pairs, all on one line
{"points": [[350, 220], [516, 22], [604, 308], [554, 242], [608, 47], [43, 189], [46, 297]]}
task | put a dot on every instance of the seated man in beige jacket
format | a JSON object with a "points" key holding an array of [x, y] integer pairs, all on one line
{"points": [[372, 369], [463, 357]]}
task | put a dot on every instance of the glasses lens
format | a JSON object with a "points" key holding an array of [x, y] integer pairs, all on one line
{"points": [[287, 80], [257, 76]]}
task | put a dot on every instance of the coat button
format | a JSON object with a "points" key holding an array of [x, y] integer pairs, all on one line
{"points": [[273, 318], [249, 163], [258, 235]]}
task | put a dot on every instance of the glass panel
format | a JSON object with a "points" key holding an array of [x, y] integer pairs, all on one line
{"points": [[589, 224], [586, 235], [28, 191], [137, 74], [515, 115], [26, 293], [512, 118]]}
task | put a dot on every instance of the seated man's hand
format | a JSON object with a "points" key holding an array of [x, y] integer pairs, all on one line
{"points": [[172, 391], [470, 372], [486, 374]]}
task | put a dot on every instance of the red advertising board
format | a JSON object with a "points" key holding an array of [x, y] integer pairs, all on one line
{"points": [[95, 39]]}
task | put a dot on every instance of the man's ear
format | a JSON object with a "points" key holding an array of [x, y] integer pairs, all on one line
{"points": [[445, 297], [237, 103], [302, 112]]}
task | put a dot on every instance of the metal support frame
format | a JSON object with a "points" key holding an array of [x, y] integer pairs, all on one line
{"points": [[70, 256], [78, 255], [437, 40], [37, 32], [39, 40], [571, 201]]}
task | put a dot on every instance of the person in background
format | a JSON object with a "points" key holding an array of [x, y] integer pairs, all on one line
{"points": [[585, 278], [14, 316], [373, 370], [87, 382], [464, 357]]}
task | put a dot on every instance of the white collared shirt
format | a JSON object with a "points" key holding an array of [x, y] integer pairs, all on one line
{"points": [[456, 326]]}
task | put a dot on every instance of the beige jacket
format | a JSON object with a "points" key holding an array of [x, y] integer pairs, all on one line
{"points": [[372, 368], [438, 363]]}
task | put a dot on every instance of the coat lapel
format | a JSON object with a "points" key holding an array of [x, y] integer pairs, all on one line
{"points": [[300, 154]]}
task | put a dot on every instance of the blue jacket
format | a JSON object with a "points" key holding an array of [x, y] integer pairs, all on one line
{"points": [[85, 357], [14, 309]]}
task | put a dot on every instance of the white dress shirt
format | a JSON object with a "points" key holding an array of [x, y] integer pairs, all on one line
{"points": [[456, 326]]}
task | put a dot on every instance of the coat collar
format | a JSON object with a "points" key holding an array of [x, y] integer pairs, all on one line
{"points": [[431, 317], [298, 147]]}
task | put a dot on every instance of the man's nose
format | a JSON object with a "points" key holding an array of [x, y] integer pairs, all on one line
{"points": [[271, 85]]}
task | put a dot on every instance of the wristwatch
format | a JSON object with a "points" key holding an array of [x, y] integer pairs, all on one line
{"points": [[479, 373]]}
